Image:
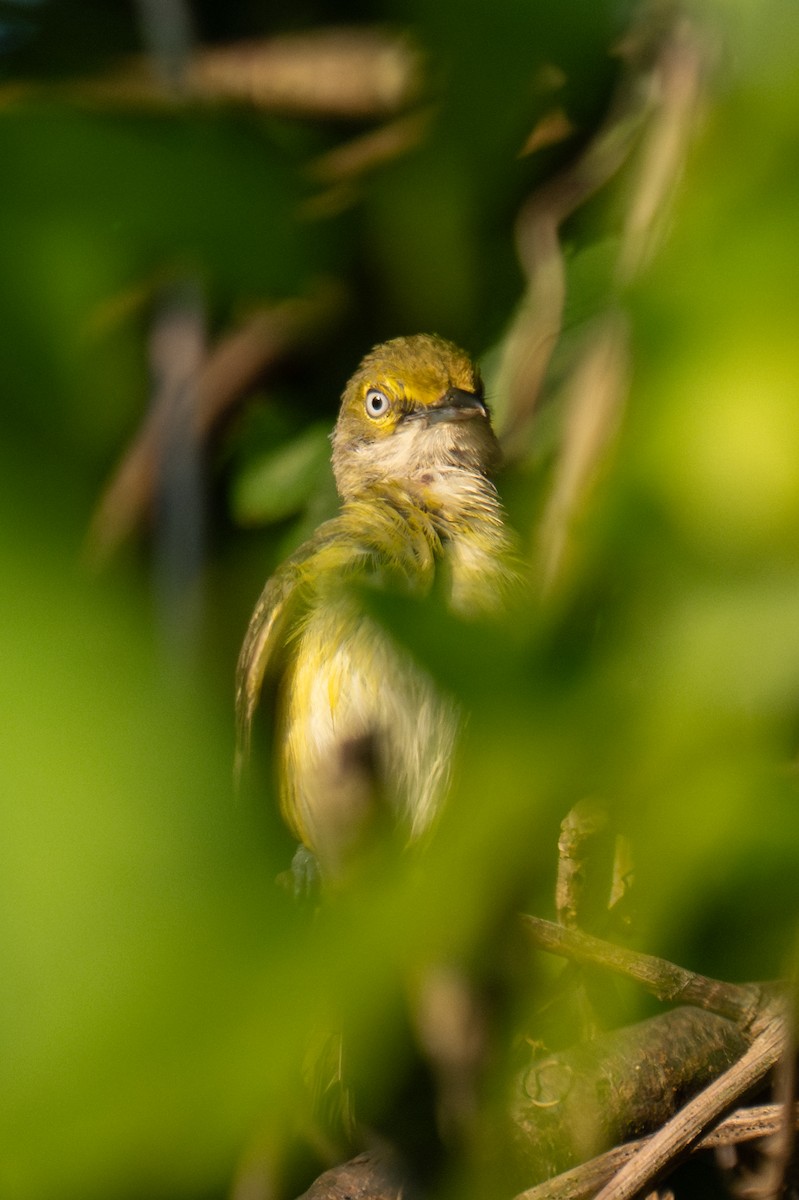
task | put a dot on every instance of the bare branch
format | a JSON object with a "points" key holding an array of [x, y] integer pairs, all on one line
{"points": [[567, 1105], [341, 72], [584, 1181], [596, 393], [370, 1176], [740, 1003], [232, 367], [680, 1134]]}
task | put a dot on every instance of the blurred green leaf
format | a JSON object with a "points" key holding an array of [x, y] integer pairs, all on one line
{"points": [[279, 484], [158, 994]]}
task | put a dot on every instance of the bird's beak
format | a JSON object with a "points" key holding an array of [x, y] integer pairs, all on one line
{"points": [[454, 405]]}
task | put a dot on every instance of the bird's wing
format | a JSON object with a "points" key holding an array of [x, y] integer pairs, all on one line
{"points": [[366, 538], [278, 606]]}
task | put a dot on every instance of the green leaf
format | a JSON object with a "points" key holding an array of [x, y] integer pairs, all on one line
{"points": [[280, 483]]}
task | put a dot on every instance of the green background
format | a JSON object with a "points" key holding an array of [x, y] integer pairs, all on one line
{"points": [[156, 988]]}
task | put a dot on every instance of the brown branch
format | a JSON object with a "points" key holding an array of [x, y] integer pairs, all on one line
{"points": [[679, 1135], [680, 79], [374, 1175], [341, 168], [341, 72], [531, 340], [762, 1176], [568, 1105], [580, 1183], [655, 108], [740, 1003], [596, 393], [371, 150], [231, 368]]}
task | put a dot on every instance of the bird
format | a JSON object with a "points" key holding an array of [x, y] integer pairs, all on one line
{"points": [[361, 727]]}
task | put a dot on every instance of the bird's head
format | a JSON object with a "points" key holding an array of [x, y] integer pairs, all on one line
{"points": [[414, 406]]}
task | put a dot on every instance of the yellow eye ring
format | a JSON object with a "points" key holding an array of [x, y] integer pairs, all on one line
{"points": [[376, 403]]}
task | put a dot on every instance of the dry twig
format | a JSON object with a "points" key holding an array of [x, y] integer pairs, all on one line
{"points": [[757, 1011], [231, 367], [740, 1003], [679, 1135], [744, 1125], [341, 72]]}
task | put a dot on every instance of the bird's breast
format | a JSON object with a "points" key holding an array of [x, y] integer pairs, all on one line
{"points": [[366, 733]]}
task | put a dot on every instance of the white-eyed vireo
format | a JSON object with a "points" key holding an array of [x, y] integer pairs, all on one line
{"points": [[413, 454]]}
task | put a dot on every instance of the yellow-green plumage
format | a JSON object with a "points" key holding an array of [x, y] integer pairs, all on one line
{"points": [[356, 714]]}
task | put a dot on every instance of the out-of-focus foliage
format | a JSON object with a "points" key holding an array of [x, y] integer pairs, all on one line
{"points": [[157, 992]]}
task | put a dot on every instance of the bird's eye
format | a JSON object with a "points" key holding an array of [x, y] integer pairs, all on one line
{"points": [[376, 403]]}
